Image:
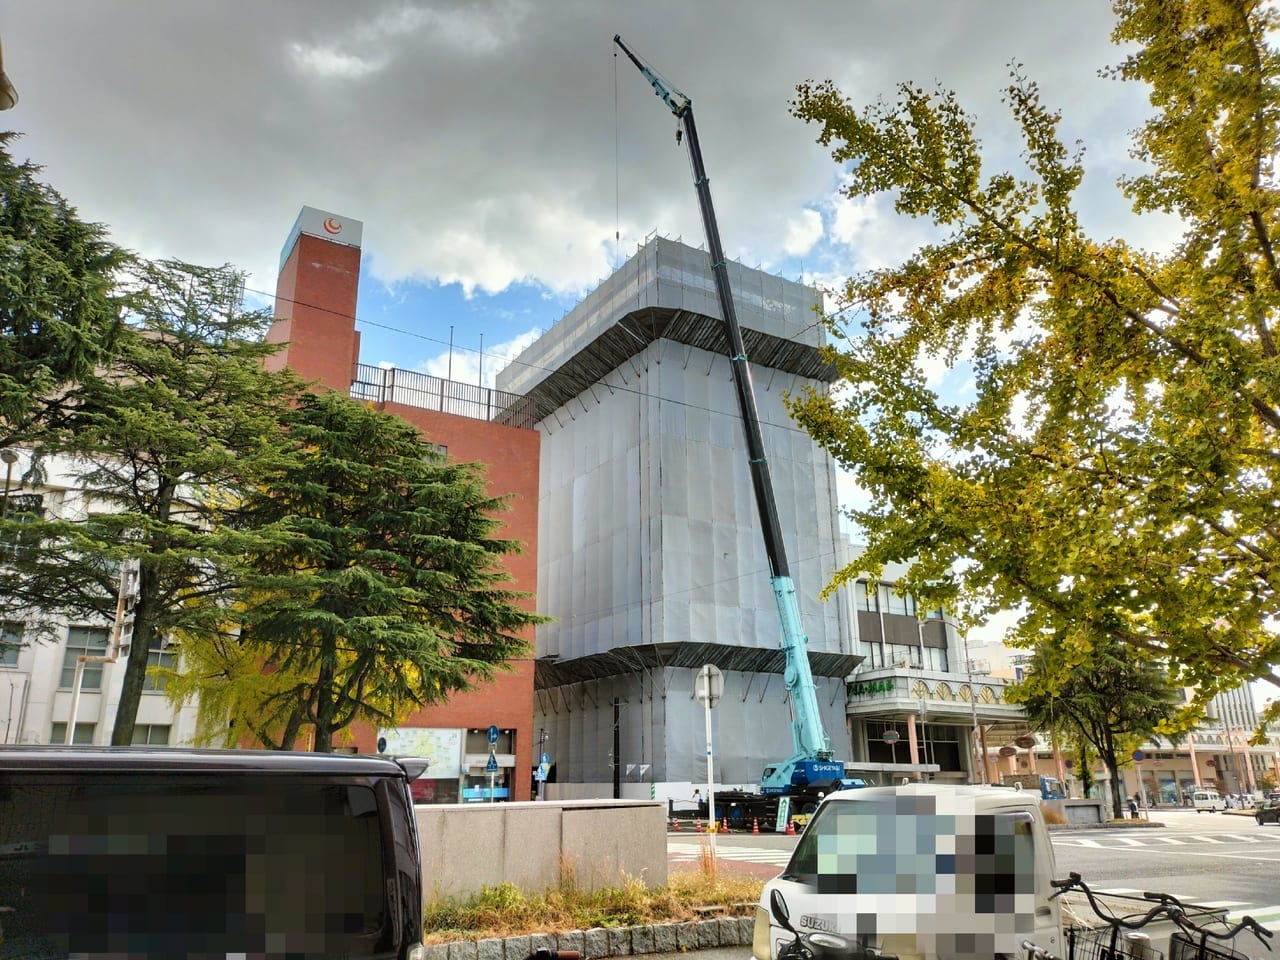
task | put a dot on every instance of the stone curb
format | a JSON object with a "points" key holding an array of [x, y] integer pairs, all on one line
{"points": [[599, 943]]}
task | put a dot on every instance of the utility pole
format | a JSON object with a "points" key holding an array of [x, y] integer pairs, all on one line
{"points": [[130, 574]]}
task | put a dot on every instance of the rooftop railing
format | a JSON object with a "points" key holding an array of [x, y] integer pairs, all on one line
{"points": [[425, 392]]}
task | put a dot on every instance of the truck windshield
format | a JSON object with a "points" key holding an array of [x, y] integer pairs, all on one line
{"points": [[910, 845], [153, 866]]}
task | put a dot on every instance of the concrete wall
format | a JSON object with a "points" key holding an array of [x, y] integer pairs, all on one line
{"points": [[536, 846], [1076, 812]]}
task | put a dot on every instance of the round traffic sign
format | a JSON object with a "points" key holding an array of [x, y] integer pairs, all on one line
{"points": [[1138, 755], [708, 685], [493, 733], [546, 758], [890, 737]]}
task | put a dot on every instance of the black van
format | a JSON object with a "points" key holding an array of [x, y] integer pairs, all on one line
{"points": [[144, 852]]}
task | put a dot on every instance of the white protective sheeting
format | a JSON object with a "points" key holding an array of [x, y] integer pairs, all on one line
{"points": [[649, 531]]}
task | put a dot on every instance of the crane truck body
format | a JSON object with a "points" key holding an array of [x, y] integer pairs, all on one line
{"points": [[809, 771]]}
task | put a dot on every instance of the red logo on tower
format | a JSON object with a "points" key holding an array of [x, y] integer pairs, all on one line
{"points": [[326, 226]]}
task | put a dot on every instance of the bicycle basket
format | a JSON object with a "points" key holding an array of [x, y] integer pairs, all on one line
{"points": [[1094, 943], [1184, 946]]}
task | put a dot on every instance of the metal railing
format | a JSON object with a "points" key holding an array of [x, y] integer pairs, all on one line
{"points": [[425, 392]]}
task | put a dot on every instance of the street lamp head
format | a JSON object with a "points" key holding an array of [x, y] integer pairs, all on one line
{"points": [[9, 456]]}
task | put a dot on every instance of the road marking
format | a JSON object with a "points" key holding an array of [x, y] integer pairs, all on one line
{"points": [[689, 851], [1268, 917], [1205, 839], [1130, 841], [1171, 840], [1220, 904], [1234, 836]]}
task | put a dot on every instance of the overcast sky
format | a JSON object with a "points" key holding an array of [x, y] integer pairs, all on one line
{"points": [[493, 149]]}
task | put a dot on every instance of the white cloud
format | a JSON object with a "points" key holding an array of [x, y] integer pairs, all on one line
{"points": [[466, 365], [328, 62], [802, 233]]}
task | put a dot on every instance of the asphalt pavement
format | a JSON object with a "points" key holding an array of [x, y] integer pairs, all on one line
{"points": [[1225, 861]]}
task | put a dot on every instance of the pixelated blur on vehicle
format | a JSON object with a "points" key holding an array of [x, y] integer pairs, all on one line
{"points": [[153, 852], [920, 872], [1268, 811]]}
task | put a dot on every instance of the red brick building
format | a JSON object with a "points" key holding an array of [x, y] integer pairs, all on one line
{"points": [[316, 296]]}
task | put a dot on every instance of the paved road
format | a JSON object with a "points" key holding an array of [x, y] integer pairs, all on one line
{"points": [[1221, 860]]}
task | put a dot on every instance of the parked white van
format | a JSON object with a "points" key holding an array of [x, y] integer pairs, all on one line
{"points": [[1208, 800]]}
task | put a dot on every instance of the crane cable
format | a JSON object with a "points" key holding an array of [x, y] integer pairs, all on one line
{"points": [[617, 170]]}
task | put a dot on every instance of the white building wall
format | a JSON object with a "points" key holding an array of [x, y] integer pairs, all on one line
{"points": [[649, 528], [32, 698]]}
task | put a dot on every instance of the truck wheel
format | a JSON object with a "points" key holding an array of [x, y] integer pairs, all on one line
{"points": [[807, 808]]}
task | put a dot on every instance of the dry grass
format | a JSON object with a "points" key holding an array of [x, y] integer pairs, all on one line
{"points": [[1051, 815], [505, 911]]}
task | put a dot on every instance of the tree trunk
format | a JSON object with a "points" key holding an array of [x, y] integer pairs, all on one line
{"points": [[324, 739], [135, 670], [289, 739], [1117, 789], [322, 709]]}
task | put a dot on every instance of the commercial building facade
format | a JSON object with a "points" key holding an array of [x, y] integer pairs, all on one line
{"points": [[316, 296]]}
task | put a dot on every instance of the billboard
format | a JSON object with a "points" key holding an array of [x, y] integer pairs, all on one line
{"points": [[323, 224], [441, 746]]}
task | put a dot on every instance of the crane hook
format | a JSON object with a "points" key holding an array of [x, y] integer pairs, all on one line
{"points": [[679, 135]]}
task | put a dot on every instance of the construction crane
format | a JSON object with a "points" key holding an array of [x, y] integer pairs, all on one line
{"points": [[810, 768]]}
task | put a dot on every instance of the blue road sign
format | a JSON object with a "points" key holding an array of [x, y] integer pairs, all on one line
{"points": [[492, 765], [546, 758], [493, 733], [541, 773]]}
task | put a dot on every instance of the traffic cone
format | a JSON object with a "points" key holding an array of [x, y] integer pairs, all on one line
{"points": [[791, 827], [724, 825], [675, 824], [698, 828], [755, 826]]}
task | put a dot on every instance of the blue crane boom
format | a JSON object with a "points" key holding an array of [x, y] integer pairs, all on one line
{"points": [[810, 761]]}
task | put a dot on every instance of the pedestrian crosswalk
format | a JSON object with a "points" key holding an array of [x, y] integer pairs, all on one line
{"points": [[1266, 915], [681, 851], [689, 851], [1109, 842]]}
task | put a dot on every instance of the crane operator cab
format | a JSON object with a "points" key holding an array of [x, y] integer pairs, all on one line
{"points": [[918, 872]]}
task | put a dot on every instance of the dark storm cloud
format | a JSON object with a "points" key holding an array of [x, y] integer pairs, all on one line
{"points": [[488, 142]]}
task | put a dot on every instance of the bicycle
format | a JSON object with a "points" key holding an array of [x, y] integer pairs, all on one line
{"points": [[1189, 942]]}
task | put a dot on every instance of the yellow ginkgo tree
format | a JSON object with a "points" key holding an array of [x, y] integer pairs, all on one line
{"points": [[1113, 470]]}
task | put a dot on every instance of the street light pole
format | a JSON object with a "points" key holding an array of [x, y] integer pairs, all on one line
{"points": [[10, 458], [975, 749]]}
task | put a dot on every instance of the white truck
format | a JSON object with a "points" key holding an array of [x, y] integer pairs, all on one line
{"points": [[920, 871]]}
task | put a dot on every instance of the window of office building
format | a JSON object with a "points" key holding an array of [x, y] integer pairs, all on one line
{"points": [[90, 641], [10, 642], [23, 508], [151, 734], [158, 655], [84, 733]]}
